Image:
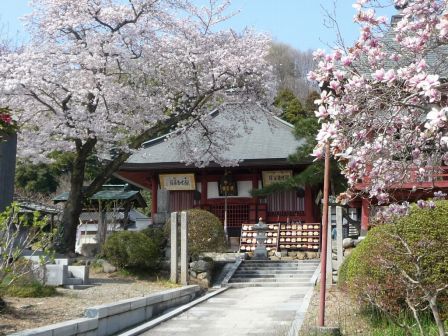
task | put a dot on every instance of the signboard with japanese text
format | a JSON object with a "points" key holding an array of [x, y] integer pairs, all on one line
{"points": [[273, 176], [177, 181]]}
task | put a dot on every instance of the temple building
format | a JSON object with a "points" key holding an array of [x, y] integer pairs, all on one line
{"points": [[263, 159]]}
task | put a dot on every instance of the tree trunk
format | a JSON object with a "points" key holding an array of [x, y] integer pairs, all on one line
{"points": [[435, 313], [73, 206], [102, 225]]}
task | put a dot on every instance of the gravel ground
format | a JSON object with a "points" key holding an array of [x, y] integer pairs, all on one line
{"points": [[27, 313], [340, 311]]}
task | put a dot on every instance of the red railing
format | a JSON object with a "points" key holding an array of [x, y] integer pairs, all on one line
{"points": [[236, 213], [431, 177]]}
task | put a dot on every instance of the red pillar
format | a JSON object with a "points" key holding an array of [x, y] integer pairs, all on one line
{"points": [[204, 190], [154, 187], [253, 210], [309, 209], [364, 216]]}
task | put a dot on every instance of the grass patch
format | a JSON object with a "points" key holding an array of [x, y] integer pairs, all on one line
{"points": [[160, 277], [381, 326], [28, 290]]}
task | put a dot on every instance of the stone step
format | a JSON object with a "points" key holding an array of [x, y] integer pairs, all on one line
{"points": [[274, 272], [246, 268], [272, 276], [74, 281], [78, 287], [268, 284], [281, 261], [270, 261], [298, 281]]}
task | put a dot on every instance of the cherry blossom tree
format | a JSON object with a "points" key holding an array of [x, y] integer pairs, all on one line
{"points": [[103, 76], [383, 106]]}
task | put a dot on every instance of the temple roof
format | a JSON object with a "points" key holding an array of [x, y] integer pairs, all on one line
{"points": [[110, 193], [270, 138]]}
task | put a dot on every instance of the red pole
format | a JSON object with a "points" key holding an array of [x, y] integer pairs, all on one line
{"points": [[323, 253], [154, 187]]}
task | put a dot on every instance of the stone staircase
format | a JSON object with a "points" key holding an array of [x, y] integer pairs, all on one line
{"points": [[256, 273]]}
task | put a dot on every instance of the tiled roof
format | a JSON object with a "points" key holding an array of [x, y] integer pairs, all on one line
{"points": [[108, 194], [270, 138]]}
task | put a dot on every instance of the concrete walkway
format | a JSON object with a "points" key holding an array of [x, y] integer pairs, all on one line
{"points": [[276, 311]]}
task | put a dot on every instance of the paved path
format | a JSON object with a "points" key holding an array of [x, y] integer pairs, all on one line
{"points": [[242, 311]]}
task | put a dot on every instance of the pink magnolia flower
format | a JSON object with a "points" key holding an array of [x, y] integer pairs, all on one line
{"points": [[6, 118], [379, 75]]}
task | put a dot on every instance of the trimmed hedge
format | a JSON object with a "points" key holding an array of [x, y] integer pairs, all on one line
{"points": [[374, 270], [127, 249], [205, 232]]}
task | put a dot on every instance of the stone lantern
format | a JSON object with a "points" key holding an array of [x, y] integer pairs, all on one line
{"points": [[260, 252]]}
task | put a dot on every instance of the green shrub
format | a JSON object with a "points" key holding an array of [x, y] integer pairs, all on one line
{"points": [[157, 235], [26, 287], [205, 232], [126, 249], [380, 269]]}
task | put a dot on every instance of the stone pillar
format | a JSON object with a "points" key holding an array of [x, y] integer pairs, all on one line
{"points": [[8, 151], [173, 263], [364, 216], [339, 236], [183, 248]]}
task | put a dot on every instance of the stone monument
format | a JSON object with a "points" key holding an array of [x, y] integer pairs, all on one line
{"points": [[260, 252]]}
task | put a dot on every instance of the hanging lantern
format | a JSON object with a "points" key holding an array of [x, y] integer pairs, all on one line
{"points": [[227, 186]]}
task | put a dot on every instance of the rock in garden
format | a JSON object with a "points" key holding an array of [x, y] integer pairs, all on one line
{"points": [[202, 276], [347, 252], [348, 242], [292, 254], [311, 255], [193, 274], [357, 241], [275, 258], [300, 255], [89, 250], [108, 267], [200, 266]]}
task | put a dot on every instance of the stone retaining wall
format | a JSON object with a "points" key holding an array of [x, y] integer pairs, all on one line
{"points": [[109, 319]]}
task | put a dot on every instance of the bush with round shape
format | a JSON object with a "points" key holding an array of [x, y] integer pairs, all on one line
{"points": [[205, 232], [127, 249], [403, 264], [157, 235]]}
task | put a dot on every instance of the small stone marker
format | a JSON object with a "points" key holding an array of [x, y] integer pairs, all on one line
{"points": [[339, 249], [173, 276], [183, 248]]}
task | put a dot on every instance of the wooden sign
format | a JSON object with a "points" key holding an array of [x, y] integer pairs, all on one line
{"points": [[177, 181], [273, 176]]}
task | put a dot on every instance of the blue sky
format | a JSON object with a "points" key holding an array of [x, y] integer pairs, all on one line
{"points": [[299, 23]]}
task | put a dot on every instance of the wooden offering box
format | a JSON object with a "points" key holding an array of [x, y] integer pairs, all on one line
{"points": [[248, 240], [299, 236]]}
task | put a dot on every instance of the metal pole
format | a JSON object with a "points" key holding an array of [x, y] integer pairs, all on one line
{"points": [[323, 253]]}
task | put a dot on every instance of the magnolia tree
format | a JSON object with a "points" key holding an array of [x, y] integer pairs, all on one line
{"points": [[7, 124], [103, 76], [383, 106]]}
